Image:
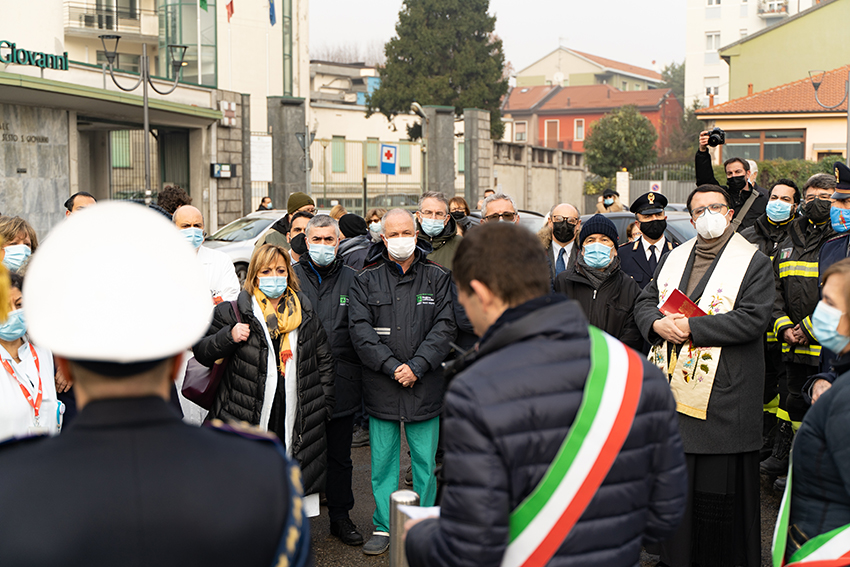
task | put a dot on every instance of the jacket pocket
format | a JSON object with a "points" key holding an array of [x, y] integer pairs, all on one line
{"points": [[380, 299]]}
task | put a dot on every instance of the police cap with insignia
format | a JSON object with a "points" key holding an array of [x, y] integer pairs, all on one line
{"points": [[649, 204], [117, 289], [842, 178]]}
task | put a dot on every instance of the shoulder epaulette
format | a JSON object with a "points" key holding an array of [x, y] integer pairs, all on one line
{"points": [[242, 429], [669, 245], [836, 237], [635, 247]]}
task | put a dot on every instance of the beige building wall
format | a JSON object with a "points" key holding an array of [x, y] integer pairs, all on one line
{"points": [[559, 61], [351, 122], [45, 33]]}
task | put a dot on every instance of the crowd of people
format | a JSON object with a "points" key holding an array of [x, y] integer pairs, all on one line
{"points": [[563, 394]]}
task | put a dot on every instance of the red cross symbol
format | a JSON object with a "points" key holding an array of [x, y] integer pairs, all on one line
{"points": [[388, 155]]}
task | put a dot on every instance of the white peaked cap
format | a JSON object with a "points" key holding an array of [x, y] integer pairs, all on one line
{"points": [[116, 282]]}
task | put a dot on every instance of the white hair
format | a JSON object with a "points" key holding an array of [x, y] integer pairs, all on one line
{"points": [[496, 197], [322, 221]]}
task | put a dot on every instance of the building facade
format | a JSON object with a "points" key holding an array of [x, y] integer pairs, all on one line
{"points": [[570, 68], [712, 24]]}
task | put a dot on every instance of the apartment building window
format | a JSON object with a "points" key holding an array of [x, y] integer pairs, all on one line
{"points": [[637, 86], [743, 33], [373, 147], [520, 135], [404, 158], [578, 130], [121, 156], [712, 86], [461, 157], [765, 144], [551, 133], [713, 2], [712, 41], [338, 154], [123, 61], [624, 86]]}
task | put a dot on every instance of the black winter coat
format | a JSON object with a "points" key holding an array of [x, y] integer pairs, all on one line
{"points": [[354, 251], [705, 176], [329, 295], [820, 495], [400, 318], [766, 236], [611, 307], [506, 417], [240, 394]]}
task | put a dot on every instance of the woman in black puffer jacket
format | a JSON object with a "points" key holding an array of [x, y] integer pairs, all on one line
{"points": [[281, 371]]}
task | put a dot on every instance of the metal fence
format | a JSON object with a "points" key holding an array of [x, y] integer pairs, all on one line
{"points": [[343, 170], [675, 181], [127, 157]]}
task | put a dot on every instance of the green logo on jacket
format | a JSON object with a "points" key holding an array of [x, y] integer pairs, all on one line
{"points": [[425, 299], [343, 300]]}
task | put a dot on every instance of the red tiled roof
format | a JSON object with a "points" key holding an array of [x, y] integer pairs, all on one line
{"points": [[798, 96], [523, 98], [602, 96], [611, 64]]}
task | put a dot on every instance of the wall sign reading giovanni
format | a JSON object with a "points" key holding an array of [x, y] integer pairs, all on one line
{"points": [[10, 53]]}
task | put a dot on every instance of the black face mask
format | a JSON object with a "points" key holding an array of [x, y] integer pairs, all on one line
{"points": [[653, 229], [736, 184], [563, 231], [458, 215], [818, 210], [299, 244]]}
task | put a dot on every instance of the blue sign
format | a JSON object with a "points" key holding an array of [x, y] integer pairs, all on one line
{"points": [[388, 159]]}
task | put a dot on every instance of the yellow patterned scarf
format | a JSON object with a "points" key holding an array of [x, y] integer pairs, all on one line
{"points": [[282, 321]]}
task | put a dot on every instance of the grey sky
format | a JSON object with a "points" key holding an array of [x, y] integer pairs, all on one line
{"points": [[624, 30]]}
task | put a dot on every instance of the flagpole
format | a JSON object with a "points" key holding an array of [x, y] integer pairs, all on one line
{"points": [[230, 44], [268, 25], [200, 67]]}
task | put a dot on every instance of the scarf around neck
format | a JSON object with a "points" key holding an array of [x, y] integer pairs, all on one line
{"points": [[705, 252], [598, 276], [282, 321]]}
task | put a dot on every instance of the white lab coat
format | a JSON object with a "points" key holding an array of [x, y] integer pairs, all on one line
{"points": [[17, 418], [224, 286]]}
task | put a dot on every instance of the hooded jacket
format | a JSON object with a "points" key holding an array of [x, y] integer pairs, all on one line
{"points": [[240, 393], [400, 318], [329, 294], [507, 414], [444, 245]]}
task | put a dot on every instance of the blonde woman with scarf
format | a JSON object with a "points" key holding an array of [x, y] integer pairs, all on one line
{"points": [[280, 371]]}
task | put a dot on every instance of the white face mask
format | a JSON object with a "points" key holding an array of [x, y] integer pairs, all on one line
{"points": [[711, 225], [401, 247]]}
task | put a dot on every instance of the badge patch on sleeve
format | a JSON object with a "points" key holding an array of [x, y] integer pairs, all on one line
{"points": [[425, 299], [785, 253]]}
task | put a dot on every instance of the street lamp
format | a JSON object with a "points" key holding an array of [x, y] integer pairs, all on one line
{"points": [[816, 77], [177, 53]]}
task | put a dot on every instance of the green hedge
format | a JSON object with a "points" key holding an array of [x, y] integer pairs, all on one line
{"points": [[597, 185], [798, 170]]}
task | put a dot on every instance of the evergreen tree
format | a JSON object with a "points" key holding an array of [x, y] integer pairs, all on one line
{"points": [[674, 78], [622, 138], [444, 53]]}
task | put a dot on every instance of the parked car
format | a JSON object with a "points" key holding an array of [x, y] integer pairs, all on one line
{"points": [[679, 227], [529, 219], [681, 207], [237, 239]]}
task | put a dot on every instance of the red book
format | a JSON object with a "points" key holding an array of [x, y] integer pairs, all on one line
{"points": [[678, 302]]}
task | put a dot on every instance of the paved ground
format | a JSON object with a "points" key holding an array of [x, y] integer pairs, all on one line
{"points": [[330, 552]]}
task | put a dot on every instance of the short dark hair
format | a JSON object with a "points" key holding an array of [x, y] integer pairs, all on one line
{"points": [[790, 183], [742, 161], [172, 198], [710, 189], [16, 281], [506, 258], [820, 181], [300, 215], [69, 204]]}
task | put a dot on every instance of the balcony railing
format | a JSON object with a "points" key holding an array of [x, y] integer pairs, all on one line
{"points": [[772, 8], [86, 17]]}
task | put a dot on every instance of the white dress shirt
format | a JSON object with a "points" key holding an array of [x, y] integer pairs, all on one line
{"points": [[17, 417], [659, 247]]}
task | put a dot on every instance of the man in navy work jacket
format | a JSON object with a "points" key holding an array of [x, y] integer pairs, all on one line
{"points": [[511, 408]]}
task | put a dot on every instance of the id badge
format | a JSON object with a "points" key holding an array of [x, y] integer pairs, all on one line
{"points": [[36, 430]]}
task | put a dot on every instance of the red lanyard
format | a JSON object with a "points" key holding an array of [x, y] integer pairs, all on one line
{"points": [[36, 404]]}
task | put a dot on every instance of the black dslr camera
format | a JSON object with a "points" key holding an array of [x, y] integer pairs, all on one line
{"points": [[716, 137]]}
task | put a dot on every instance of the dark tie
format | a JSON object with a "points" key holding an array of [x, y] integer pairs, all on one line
{"points": [[653, 260], [560, 266]]}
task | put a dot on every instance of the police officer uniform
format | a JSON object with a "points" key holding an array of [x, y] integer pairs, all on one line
{"points": [[633, 255], [138, 486], [837, 248]]}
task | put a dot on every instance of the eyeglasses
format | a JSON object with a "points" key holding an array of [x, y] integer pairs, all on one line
{"points": [[714, 208], [439, 215], [509, 217], [558, 218]]}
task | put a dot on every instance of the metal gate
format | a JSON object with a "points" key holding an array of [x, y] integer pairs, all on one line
{"points": [[675, 181], [127, 158]]}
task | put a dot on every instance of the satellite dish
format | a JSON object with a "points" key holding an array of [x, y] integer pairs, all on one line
{"points": [[558, 79]]}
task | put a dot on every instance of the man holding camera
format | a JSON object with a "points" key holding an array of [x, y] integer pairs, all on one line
{"points": [[747, 203]]}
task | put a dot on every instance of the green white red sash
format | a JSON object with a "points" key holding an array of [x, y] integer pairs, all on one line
{"points": [[831, 549], [541, 523]]}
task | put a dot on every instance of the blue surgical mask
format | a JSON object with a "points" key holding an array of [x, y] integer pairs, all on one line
{"points": [[432, 227], [608, 201], [16, 255], [273, 286], [778, 211], [825, 326], [597, 255], [14, 327], [322, 254], [375, 227], [195, 236], [840, 220]]}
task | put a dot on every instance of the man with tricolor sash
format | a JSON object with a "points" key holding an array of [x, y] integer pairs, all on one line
{"points": [[795, 270], [561, 443], [714, 362]]}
